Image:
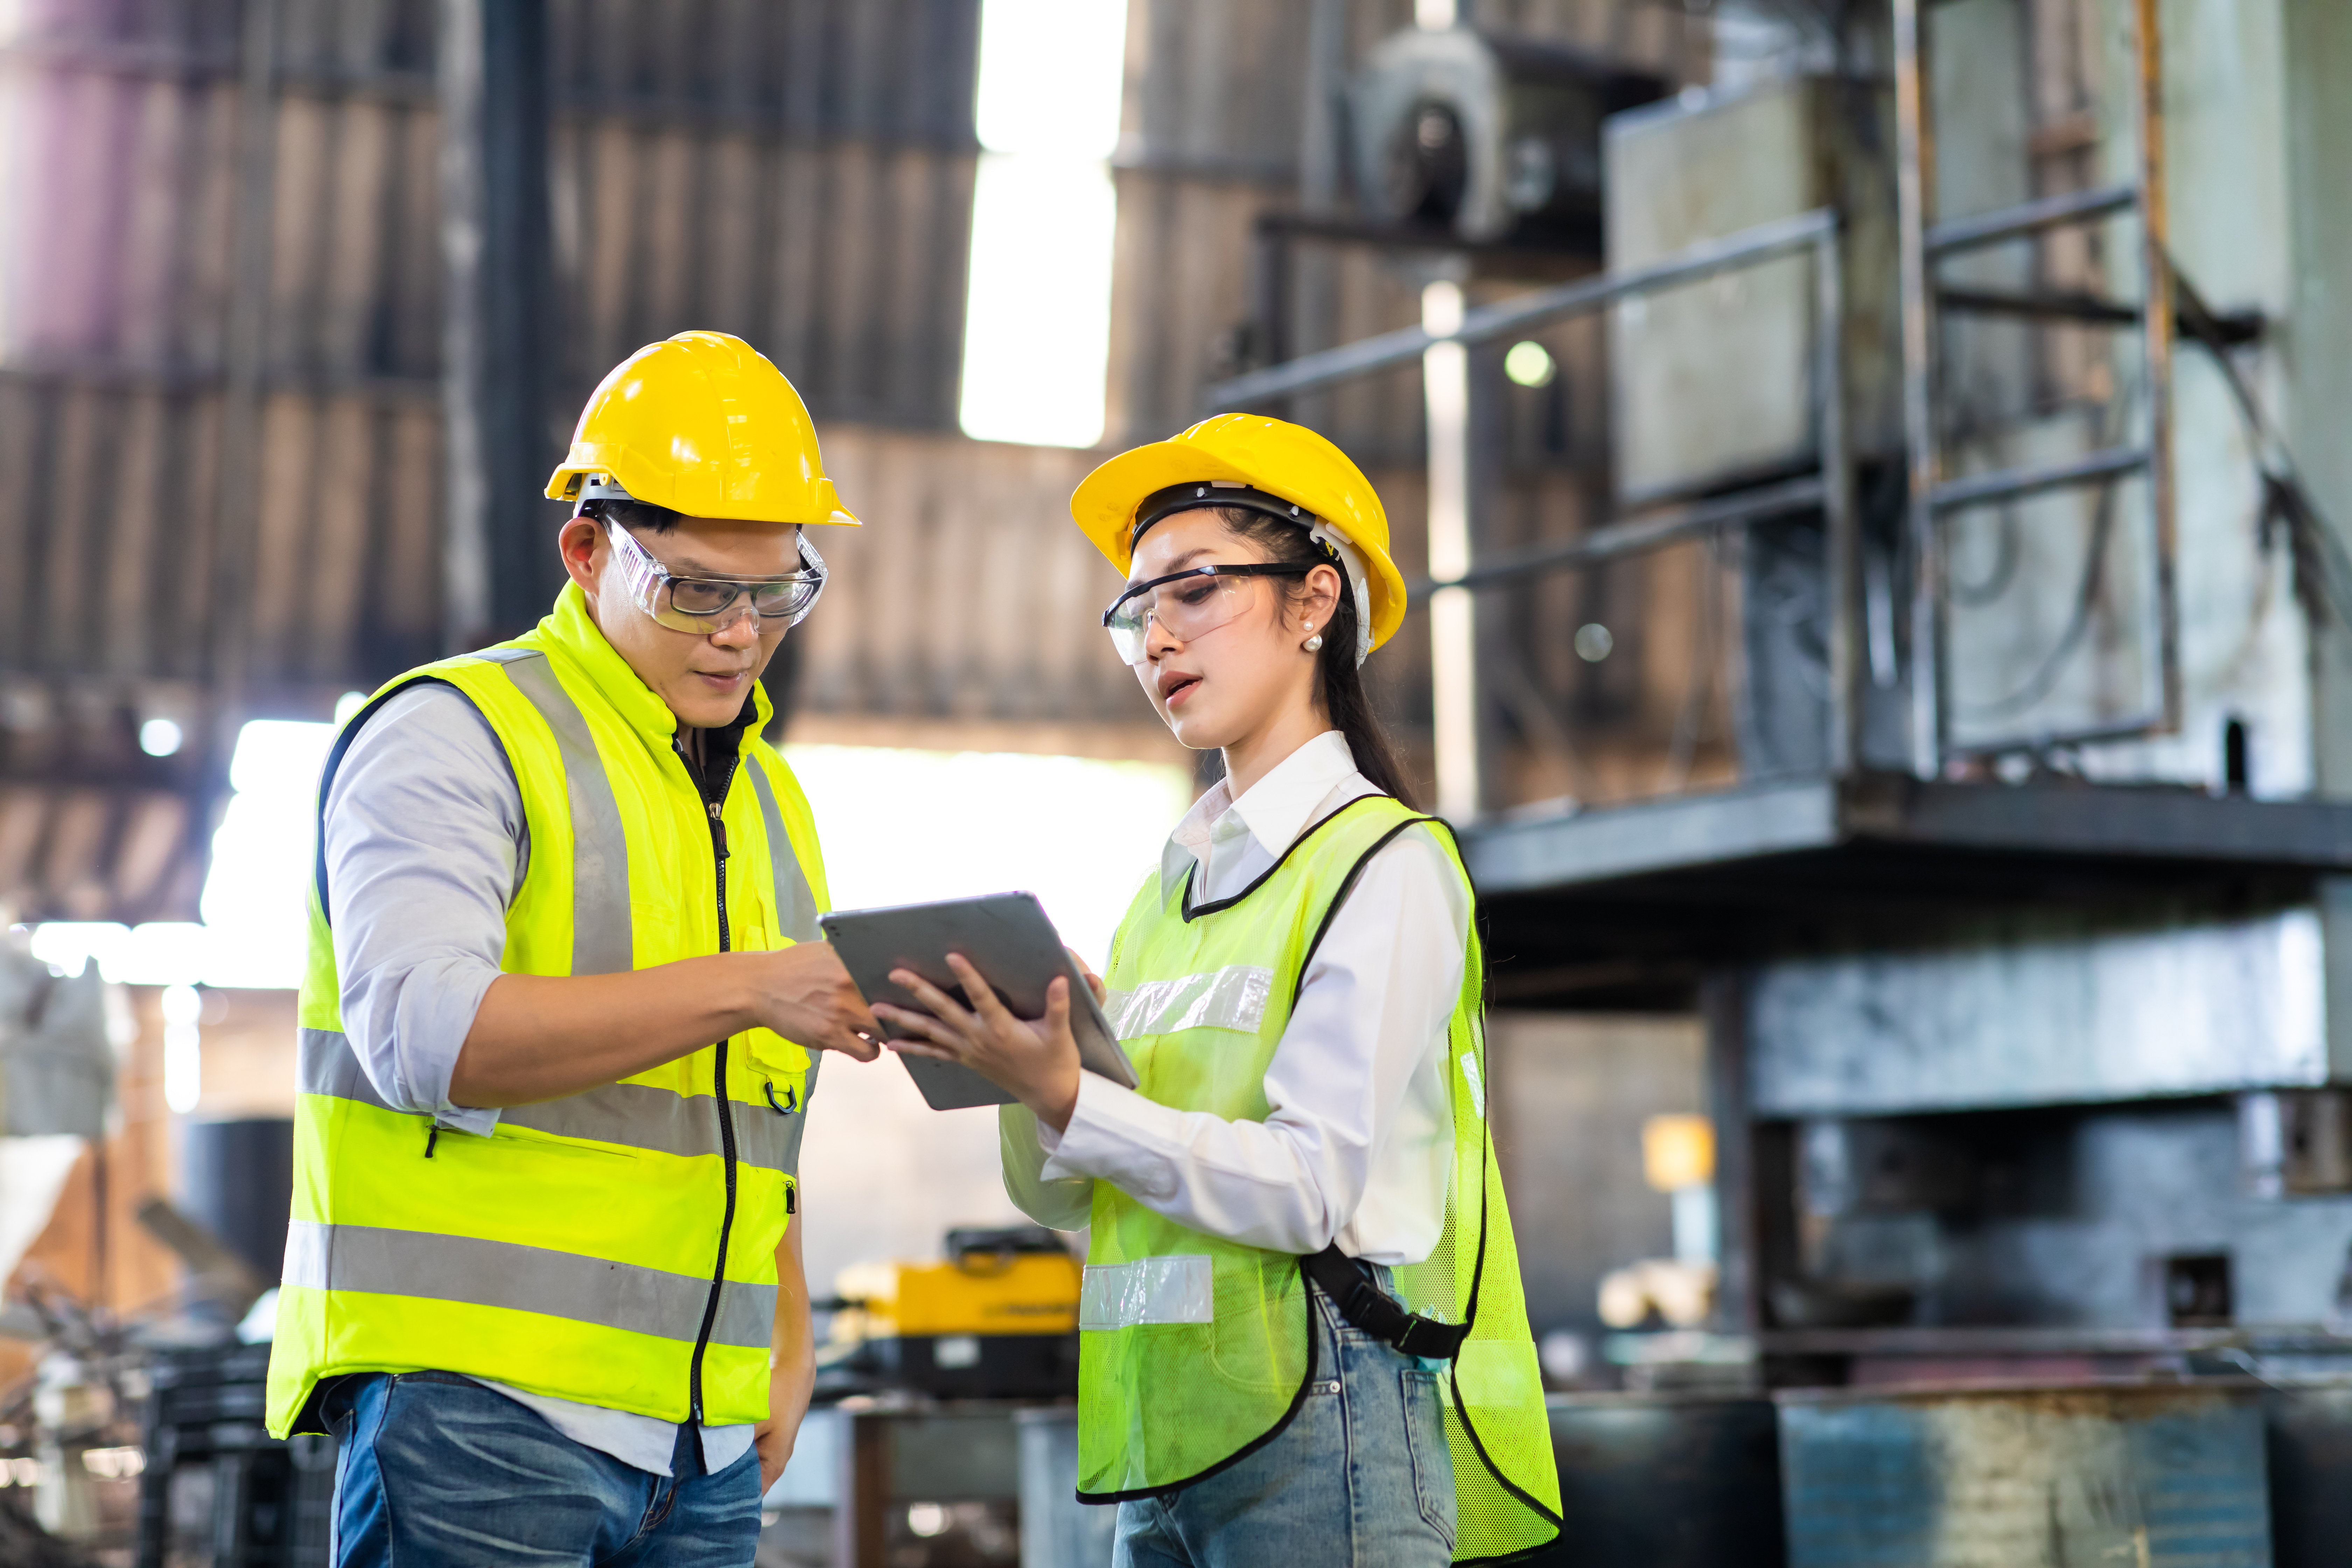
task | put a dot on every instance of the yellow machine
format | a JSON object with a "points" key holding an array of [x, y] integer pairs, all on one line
{"points": [[998, 1319]]}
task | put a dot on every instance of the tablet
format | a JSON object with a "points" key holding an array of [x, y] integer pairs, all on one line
{"points": [[1008, 939]]}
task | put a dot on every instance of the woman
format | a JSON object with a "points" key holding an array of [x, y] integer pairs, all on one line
{"points": [[1295, 1217]]}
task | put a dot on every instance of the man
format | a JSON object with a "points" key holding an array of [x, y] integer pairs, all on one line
{"points": [[557, 1037]]}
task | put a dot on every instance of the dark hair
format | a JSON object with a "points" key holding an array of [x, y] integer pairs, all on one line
{"points": [[637, 516], [1338, 683]]}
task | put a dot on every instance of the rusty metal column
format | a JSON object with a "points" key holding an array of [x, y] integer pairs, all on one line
{"points": [[500, 567], [1452, 611], [1914, 196], [1843, 558], [2157, 329]]}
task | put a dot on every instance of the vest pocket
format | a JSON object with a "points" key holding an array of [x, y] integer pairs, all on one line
{"points": [[1432, 1462]]}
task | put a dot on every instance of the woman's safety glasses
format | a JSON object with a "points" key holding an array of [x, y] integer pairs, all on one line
{"points": [[1187, 604], [706, 605]]}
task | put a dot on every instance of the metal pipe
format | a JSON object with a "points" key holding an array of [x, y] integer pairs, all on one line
{"points": [[1914, 184], [1842, 559], [1636, 537], [1749, 248], [1453, 613], [2009, 483], [2157, 328], [2028, 218]]}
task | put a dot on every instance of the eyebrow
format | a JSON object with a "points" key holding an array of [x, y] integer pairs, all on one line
{"points": [[1178, 563]]}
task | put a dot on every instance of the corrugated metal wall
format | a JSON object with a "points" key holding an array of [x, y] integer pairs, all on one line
{"points": [[220, 353], [220, 340]]}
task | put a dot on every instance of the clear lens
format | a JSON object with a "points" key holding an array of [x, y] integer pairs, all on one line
{"points": [[1187, 608], [703, 605]]}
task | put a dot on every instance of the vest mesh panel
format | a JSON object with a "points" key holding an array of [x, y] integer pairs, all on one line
{"points": [[1197, 1351]]}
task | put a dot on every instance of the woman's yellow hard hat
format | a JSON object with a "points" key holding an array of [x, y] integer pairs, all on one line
{"points": [[703, 424], [1265, 454]]}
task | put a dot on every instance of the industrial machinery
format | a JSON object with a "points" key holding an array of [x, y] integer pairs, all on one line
{"points": [[998, 1319], [1484, 136]]}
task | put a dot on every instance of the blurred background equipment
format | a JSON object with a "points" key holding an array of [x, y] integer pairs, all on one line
{"points": [[998, 1319]]}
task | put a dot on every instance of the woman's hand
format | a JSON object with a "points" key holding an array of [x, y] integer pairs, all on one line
{"points": [[1037, 1063]]}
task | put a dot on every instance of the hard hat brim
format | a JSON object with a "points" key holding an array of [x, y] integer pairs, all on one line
{"points": [[565, 482], [1104, 507]]}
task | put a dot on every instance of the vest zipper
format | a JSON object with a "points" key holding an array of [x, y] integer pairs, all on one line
{"points": [[714, 805]]}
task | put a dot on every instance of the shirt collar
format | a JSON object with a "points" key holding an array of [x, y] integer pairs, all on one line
{"points": [[1274, 811]]}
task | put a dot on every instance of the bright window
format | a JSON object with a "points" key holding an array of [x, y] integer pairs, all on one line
{"points": [[1037, 315]]}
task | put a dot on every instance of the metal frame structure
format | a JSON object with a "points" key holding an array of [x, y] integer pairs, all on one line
{"points": [[1922, 243], [1645, 530]]}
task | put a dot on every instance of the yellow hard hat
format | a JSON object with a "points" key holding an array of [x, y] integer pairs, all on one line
{"points": [[702, 424], [1270, 455]]}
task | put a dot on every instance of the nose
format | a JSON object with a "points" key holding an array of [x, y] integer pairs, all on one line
{"points": [[1157, 638], [742, 632]]}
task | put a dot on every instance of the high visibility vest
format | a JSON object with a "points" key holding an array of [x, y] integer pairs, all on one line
{"points": [[617, 1247], [1194, 1351]]}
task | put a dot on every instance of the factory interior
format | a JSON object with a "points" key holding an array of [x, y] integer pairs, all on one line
{"points": [[1873, 485]]}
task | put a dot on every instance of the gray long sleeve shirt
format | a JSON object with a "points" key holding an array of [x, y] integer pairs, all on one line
{"points": [[425, 847]]}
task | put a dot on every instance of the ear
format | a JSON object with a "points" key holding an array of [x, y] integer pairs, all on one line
{"points": [[1318, 599], [582, 545]]}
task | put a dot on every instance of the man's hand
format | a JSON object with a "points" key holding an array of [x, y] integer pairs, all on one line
{"points": [[538, 1036], [789, 1388], [804, 994], [1036, 1062]]}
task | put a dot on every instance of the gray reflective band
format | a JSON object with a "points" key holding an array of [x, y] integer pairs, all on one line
{"points": [[375, 1261], [1177, 1290], [1229, 998], [600, 939], [324, 1063], [795, 904], [631, 1115]]}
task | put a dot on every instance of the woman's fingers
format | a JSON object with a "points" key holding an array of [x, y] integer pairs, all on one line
{"points": [[922, 1026], [1094, 982], [938, 1003], [985, 1002], [918, 1048]]}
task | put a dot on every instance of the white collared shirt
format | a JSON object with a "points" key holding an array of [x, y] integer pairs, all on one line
{"points": [[1359, 1134]]}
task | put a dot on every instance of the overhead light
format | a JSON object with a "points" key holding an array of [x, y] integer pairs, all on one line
{"points": [[1529, 364], [160, 737]]}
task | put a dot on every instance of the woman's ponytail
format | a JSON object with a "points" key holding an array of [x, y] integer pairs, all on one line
{"points": [[1340, 683]]}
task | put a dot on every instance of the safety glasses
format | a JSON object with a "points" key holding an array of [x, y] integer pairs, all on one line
{"points": [[706, 605], [1187, 604]]}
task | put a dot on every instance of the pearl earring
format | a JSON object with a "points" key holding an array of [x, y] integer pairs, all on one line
{"points": [[1314, 643]]}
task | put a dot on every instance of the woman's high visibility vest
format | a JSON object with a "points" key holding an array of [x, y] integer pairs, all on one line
{"points": [[1194, 1351], [617, 1247]]}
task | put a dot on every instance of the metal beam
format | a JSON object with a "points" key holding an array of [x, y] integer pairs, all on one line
{"points": [[2010, 483], [1634, 536], [2028, 218], [500, 564], [1514, 318]]}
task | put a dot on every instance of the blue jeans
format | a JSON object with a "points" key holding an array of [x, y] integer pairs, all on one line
{"points": [[1360, 1479], [437, 1471]]}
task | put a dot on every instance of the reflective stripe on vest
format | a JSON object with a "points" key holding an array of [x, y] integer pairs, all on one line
{"points": [[1233, 997], [525, 1279], [574, 1251], [631, 1115]]}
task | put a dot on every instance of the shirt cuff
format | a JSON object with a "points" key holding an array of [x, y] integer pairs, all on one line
{"points": [[463, 1119], [1116, 1135]]}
